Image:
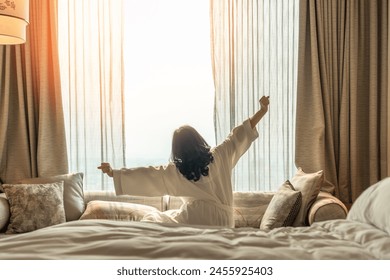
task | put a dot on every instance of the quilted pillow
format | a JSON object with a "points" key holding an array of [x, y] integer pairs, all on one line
{"points": [[73, 192], [113, 210], [34, 206], [283, 208], [309, 184]]}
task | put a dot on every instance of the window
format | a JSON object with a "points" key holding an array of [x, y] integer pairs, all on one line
{"points": [[133, 71], [168, 78]]}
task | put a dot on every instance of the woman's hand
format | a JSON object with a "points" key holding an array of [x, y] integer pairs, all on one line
{"points": [[105, 167], [264, 102]]}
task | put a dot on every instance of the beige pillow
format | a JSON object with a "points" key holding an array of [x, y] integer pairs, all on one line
{"points": [[283, 208], [309, 184], [113, 210], [73, 192], [34, 206]]}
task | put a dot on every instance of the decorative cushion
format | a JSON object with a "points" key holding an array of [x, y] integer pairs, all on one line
{"points": [[34, 206], [112, 210], [373, 206], [73, 192], [4, 211], [309, 184], [283, 208]]}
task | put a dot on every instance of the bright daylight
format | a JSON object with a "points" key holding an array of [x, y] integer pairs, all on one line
{"points": [[168, 76]]}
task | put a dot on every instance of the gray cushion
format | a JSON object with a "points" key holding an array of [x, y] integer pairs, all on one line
{"points": [[283, 208]]}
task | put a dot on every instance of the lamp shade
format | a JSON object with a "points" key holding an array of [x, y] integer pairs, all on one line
{"points": [[14, 17]]}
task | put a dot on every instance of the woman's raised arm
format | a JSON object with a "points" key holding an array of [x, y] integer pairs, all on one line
{"points": [[255, 119]]}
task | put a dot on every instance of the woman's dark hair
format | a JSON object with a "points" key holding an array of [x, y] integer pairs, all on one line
{"points": [[190, 153]]}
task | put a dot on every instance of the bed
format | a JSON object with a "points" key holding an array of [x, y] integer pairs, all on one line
{"points": [[104, 239], [364, 234]]}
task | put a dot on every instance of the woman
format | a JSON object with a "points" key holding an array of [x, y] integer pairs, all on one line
{"points": [[197, 173]]}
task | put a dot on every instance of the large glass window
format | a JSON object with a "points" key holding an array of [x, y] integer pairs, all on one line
{"points": [[168, 78], [133, 71]]}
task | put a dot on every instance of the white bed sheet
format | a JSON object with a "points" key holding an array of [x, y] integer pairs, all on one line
{"points": [[105, 239]]}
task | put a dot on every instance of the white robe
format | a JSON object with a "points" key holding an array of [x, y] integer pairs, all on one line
{"points": [[208, 201]]}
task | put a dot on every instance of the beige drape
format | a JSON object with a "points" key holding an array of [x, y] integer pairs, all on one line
{"points": [[32, 136], [388, 94], [254, 53], [342, 111]]}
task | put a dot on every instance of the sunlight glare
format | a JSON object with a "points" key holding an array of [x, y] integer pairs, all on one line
{"points": [[168, 76]]}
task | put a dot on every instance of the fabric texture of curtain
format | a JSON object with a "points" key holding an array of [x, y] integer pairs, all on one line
{"points": [[342, 97], [91, 63], [388, 93], [32, 135], [254, 53]]}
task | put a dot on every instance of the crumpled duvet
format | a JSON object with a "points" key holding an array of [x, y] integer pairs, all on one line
{"points": [[106, 239]]}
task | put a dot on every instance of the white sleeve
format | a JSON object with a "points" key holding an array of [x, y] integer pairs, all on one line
{"points": [[238, 142], [141, 181]]}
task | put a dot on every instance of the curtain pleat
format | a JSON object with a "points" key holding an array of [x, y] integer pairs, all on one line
{"points": [[254, 53], [32, 135], [388, 94], [342, 93], [91, 47]]}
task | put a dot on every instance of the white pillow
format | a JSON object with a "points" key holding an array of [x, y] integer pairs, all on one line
{"points": [[373, 206], [114, 210]]}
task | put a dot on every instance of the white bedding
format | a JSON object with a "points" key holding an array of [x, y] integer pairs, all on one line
{"points": [[105, 239], [365, 234]]}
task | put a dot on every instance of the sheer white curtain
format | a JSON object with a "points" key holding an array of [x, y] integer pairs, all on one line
{"points": [[132, 71], [254, 47], [91, 66], [168, 76]]}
